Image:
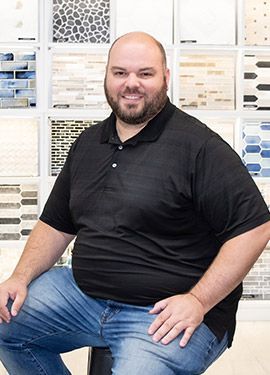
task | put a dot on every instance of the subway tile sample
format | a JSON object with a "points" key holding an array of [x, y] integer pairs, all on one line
{"points": [[205, 22], [257, 82], [18, 147], [17, 79], [257, 22], [256, 147], [86, 21], [145, 16], [19, 21], [206, 82], [63, 134], [18, 210], [77, 80], [256, 284]]}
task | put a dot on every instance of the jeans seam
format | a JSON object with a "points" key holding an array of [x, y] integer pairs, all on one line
{"points": [[35, 360]]}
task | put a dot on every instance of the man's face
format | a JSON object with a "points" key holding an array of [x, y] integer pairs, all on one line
{"points": [[136, 81]]}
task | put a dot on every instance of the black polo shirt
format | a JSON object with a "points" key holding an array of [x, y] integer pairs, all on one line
{"points": [[151, 214]]}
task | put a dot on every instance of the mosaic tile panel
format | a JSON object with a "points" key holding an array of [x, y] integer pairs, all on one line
{"points": [[223, 127], [18, 211], [17, 79], [257, 82], [256, 147], [206, 82], [257, 22], [145, 16], [8, 259], [19, 21], [81, 21], [77, 80], [63, 134], [211, 23], [256, 285], [18, 147]]}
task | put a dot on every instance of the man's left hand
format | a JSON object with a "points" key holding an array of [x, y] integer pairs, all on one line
{"points": [[180, 313]]}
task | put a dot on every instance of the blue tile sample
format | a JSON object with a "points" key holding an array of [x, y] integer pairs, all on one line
{"points": [[17, 79], [256, 147]]}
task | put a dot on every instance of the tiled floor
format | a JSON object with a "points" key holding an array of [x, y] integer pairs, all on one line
{"points": [[248, 356]]}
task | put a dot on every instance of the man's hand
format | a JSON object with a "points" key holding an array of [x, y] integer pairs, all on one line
{"points": [[180, 313], [16, 290]]}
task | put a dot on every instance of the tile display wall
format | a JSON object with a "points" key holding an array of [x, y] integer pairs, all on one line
{"points": [[17, 79], [18, 147], [211, 24], [19, 21], [206, 82], [142, 17], [257, 22], [81, 21], [63, 134], [223, 127], [257, 82], [8, 260], [77, 80], [257, 283], [18, 210], [264, 188], [256, 147]]}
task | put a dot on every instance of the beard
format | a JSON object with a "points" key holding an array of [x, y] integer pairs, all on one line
{"points": [[152, 105]]}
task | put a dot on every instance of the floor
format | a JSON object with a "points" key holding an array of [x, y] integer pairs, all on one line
{"points": [[248, 356]]}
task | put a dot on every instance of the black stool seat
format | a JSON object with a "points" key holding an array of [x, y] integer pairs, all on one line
{"points": [[99, 361]]}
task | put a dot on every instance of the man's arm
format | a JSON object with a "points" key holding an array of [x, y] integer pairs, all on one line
{"points": [[43, 248], [184, 313]]}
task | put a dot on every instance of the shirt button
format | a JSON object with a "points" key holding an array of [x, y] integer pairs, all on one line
{"points": [[114, 165], [120, 147]]}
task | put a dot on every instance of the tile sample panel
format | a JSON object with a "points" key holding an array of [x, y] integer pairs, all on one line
{"points": [[257, 82], [18, 211], [256, 147], [77, 80], [264, 188], [19, 21], [256, 284], [206, 82], [145, 16], [205, 22], [221, 126], [17, 79], [63, 134], [18, 147], [81, 21], [8, 260], [257, 22]]}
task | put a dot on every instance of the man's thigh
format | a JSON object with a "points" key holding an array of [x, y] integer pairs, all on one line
{"points": [[135, 352], [56, 315]]}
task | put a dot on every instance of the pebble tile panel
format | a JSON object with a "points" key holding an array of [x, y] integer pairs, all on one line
{"points": [[256, 147], [18, 147], [18, 211], [77, 80], [17, 79], [206, 82], [63, 134], [81, 21], [257, 22], [19, 21], [257, 82]]}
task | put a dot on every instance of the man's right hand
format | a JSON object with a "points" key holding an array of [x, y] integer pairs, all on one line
{"points": [[14, 289]]}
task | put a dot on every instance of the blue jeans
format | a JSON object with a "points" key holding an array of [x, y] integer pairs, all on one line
{"points": [[58, 317]]}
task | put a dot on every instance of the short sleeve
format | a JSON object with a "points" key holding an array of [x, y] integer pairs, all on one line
{"points": [[225, 193], [56, 212]]}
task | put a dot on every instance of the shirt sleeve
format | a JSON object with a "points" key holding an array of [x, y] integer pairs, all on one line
{"points": [[56, 212], [225, 193]]}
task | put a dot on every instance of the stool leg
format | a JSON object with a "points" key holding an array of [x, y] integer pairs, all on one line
{"points": [[99, 361]]}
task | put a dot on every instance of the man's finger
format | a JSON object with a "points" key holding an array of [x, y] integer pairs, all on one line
{"points": [[187, 335]]}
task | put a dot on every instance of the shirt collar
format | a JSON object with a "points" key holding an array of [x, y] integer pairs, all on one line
{"points": [[148, 134]]}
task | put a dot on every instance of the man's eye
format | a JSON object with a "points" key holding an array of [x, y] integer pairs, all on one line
{"points": [[119, 74], [146, 74]]}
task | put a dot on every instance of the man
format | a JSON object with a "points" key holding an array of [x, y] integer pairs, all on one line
{"points": [[167, 223]]}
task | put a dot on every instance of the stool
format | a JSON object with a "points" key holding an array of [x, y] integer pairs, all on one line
{"points": [[99, 361]]}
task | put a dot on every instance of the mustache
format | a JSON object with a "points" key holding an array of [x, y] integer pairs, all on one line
{"points": [[131, 91]]}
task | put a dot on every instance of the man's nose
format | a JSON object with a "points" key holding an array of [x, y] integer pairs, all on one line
{"points": [[132, 81]]}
